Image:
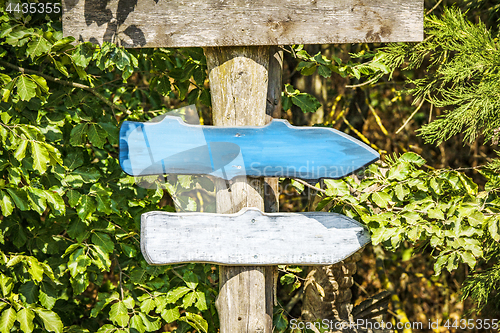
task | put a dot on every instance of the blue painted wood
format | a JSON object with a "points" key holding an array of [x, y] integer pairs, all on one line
{"points": [[275, 150]]}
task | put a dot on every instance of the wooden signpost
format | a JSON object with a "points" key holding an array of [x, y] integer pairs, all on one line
{"points": [[275, 150], [244, 74]]}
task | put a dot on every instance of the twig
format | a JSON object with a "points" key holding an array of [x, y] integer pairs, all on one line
{"points": [[432, 9], [309, 185], [67, 83], [411, 116], [364, 83], [295, 299]]}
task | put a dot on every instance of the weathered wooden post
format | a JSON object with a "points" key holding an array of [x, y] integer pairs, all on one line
{"points": [[236, 36]]}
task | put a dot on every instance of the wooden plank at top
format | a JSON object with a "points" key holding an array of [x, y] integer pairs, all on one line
{"points": [[275, 150], [250, 237], [188, 23]]}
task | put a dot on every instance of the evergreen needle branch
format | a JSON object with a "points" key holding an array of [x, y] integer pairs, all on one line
{"points": [[67, 83], [411, 116]]}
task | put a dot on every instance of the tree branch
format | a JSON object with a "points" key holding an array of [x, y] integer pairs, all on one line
{"points": [[67, 83]]}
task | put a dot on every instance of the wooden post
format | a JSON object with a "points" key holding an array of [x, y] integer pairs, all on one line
{"points": [[239, 84]]}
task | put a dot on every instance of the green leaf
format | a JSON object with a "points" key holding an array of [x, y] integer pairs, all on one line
{"points": [[56, 202], [30, 292], [6, 285], [25, 317], [201, 302], [469, 259], [119, 314], [108, 328], [435, 213], [188, 300], [26, 88], [37, 199], [40, 156], [35, 269], [6, 204], [78, 135], [381, 199], [469, 184], [41, 82], [191, 279], [104, 241], [137, 323], [412, 158], [47, 296], [493, 228], [21, 150], [401, 192], [438, 265], [306, 102], [19, 197], [148, 305], [50, 319], [174, 294], [170, 313], [78, 263], [86, 207], [7, 320], [37, 47], [97, 135], [83, 54], [73, 197], [73, 160], [151, 324], [196, 321], [336, 187]]}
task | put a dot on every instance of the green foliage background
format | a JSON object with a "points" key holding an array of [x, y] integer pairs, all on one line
{"points": [[69, 229]]}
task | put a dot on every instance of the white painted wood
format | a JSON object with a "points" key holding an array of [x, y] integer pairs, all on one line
{"points": [[250, 237], [180, 23]]}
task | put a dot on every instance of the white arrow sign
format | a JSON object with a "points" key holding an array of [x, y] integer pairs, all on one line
{"points": [[250, 237]]}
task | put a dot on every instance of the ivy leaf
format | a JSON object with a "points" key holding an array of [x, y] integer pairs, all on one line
{"points": [[50, 319], [26, 88], [7, 320], [25, 317]]}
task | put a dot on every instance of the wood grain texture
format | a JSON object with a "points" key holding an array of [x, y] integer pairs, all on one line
{"points": [[238, 82], [179, 23], [274, 150], [250, 237]]}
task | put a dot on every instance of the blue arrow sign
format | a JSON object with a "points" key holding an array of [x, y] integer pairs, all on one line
{"points": [[275, 150]]}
